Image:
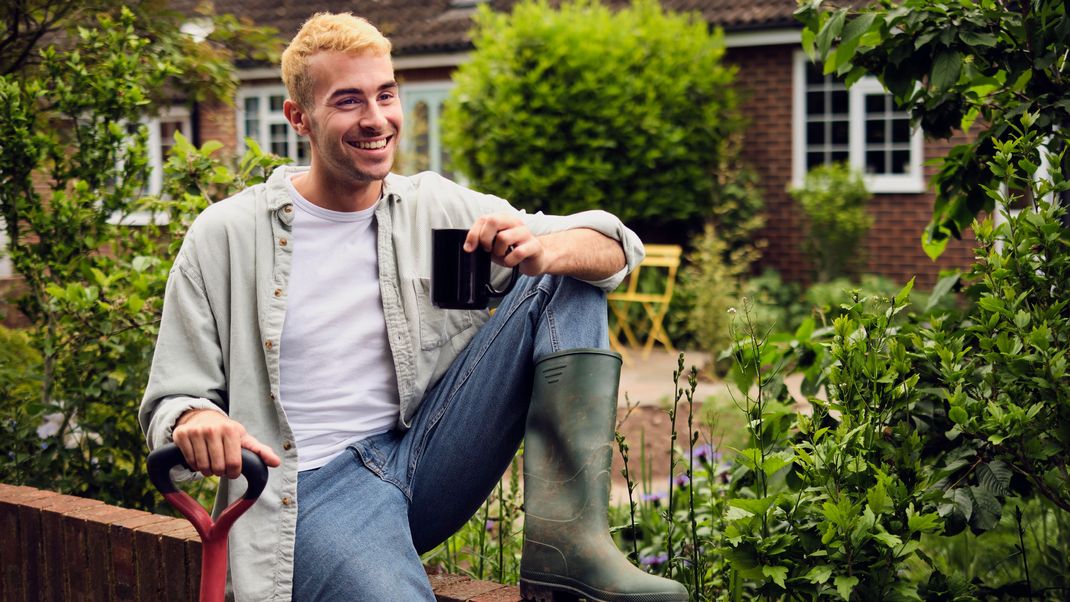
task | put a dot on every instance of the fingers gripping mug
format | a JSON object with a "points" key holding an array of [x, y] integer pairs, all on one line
{"points": [[461, 280]]}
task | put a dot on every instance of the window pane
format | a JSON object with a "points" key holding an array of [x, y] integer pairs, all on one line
{"points": [[840, 132], [814, 74], [276, 103], [421, 139], [875, 162], [815, 103], [901, 161], [815, 133], [252, 118], [304, 154], [875, 131], [167, 135], [444, 168], [839, 156], [839, 102], [279, 144], [876, 103], [814, 158], [901, 130]]}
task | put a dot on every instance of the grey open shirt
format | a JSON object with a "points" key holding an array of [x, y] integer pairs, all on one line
{"points": [[218, 346]]}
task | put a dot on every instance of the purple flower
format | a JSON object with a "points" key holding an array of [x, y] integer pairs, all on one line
{"points": [[490, 524], [655, 497], [681, 480], [706, 454], [654, 560]]}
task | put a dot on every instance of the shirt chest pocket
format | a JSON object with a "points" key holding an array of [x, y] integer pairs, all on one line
{"points": [[437, 326]]}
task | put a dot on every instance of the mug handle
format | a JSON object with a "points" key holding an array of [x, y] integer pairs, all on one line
{"points": [[508, 287]]}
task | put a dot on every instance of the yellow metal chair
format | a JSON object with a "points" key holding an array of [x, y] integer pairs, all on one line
{"points": [[655, 304]]}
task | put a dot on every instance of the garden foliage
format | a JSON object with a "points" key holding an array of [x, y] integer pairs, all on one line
{"points": [[833, 199], [955, 65], [582, 107], [75, 170]]}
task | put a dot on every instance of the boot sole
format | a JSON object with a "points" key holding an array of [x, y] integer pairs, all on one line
{"points": [[572, 591]]}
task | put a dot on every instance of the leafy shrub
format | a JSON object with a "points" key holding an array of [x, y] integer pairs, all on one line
{"points": [[956, 66], [94, 287], [580, 107], [709, 286], [833, 198]]}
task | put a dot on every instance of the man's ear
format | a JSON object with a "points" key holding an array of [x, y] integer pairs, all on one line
{"points": [[297, 117]]}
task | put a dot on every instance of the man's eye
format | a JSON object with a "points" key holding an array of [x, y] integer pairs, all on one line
{"points": [[387, 97], [348, 102]]}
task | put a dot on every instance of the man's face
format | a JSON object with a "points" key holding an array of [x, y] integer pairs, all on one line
{"points": [[354, 123]]}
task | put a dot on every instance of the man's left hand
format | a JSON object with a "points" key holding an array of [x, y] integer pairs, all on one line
{"points": [[510, 243]]}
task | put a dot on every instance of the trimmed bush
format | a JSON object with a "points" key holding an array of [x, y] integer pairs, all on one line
{"points": [[581, 107]]}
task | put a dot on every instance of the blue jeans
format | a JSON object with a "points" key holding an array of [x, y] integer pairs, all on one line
{"points": [[364, 518]]}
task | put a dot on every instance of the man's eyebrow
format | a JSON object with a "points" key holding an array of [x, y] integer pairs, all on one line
{"points": [[346, 91]]}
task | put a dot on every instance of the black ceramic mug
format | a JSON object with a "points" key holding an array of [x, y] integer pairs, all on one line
{"points": [[461, 280]]}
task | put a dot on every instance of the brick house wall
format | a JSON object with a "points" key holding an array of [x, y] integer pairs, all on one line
{"points": [[893, 247]]}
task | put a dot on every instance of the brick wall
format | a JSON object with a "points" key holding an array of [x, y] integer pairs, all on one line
{"points": [[893, 247], [61, 547]]}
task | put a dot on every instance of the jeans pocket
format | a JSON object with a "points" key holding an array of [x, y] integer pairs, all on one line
{"points": [[437, 326]]}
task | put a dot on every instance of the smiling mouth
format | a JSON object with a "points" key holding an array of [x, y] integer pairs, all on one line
{"points": [[369, 144]]}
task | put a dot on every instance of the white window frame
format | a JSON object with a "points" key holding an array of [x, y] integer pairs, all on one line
{"points": [[267, 118], [912, 182], [6, 269], [433, 93], [155, 142]]}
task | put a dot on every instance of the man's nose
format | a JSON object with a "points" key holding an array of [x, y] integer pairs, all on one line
{"points": [[373, 118]]}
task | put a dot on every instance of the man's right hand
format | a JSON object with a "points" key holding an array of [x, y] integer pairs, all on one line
{"points": [[211, 443]]}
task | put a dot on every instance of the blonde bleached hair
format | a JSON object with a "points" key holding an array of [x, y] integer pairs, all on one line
{"points": [[326, 32]]}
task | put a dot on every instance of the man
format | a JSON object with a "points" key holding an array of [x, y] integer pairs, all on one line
{"points": [[297, 324]]}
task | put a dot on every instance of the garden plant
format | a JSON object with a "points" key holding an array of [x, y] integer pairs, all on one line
{"points": [[93, 284]]}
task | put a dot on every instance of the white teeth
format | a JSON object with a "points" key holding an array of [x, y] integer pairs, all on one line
{"points": [[373, 145]]}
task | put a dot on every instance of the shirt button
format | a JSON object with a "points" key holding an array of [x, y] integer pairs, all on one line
{"points": [[282, 242], [286, 501], [268, 344], [278, 292], [288, 208], [272, 395], [286, 445]]}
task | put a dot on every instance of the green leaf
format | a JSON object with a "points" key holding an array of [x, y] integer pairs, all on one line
{"points": [[923, 523], [845, 585], [942, 288], [935, 238], [829, 31], [904, 294], [757, 507], [886, 538], [819, 574], [945, 70], [878, 500], [777, 573], [995, 476], [958, 415]]}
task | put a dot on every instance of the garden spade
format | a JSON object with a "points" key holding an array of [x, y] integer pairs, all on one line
{"points": [[213, 534]]}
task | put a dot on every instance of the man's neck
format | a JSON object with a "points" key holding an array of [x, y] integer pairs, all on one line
{"points": [[337, 195]]}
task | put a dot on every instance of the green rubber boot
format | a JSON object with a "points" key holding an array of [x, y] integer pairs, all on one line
{"points": [[568, 451]]}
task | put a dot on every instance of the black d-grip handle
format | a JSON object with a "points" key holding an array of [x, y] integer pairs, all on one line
{"points": [[163, 459], [508, 286]]}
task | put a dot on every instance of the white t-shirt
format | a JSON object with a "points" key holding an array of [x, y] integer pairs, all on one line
{"points": [[337, 380]]}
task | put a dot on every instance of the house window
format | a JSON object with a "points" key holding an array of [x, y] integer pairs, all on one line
{"points": [[161, 131], [421, 144], [260, 117], [859, 125], [5, 262]]}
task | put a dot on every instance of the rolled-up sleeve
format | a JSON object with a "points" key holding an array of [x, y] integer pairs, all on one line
{"points": [[187, 366]]}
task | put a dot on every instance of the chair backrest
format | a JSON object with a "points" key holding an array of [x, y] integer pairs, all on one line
{"points": [[657, 257]]}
